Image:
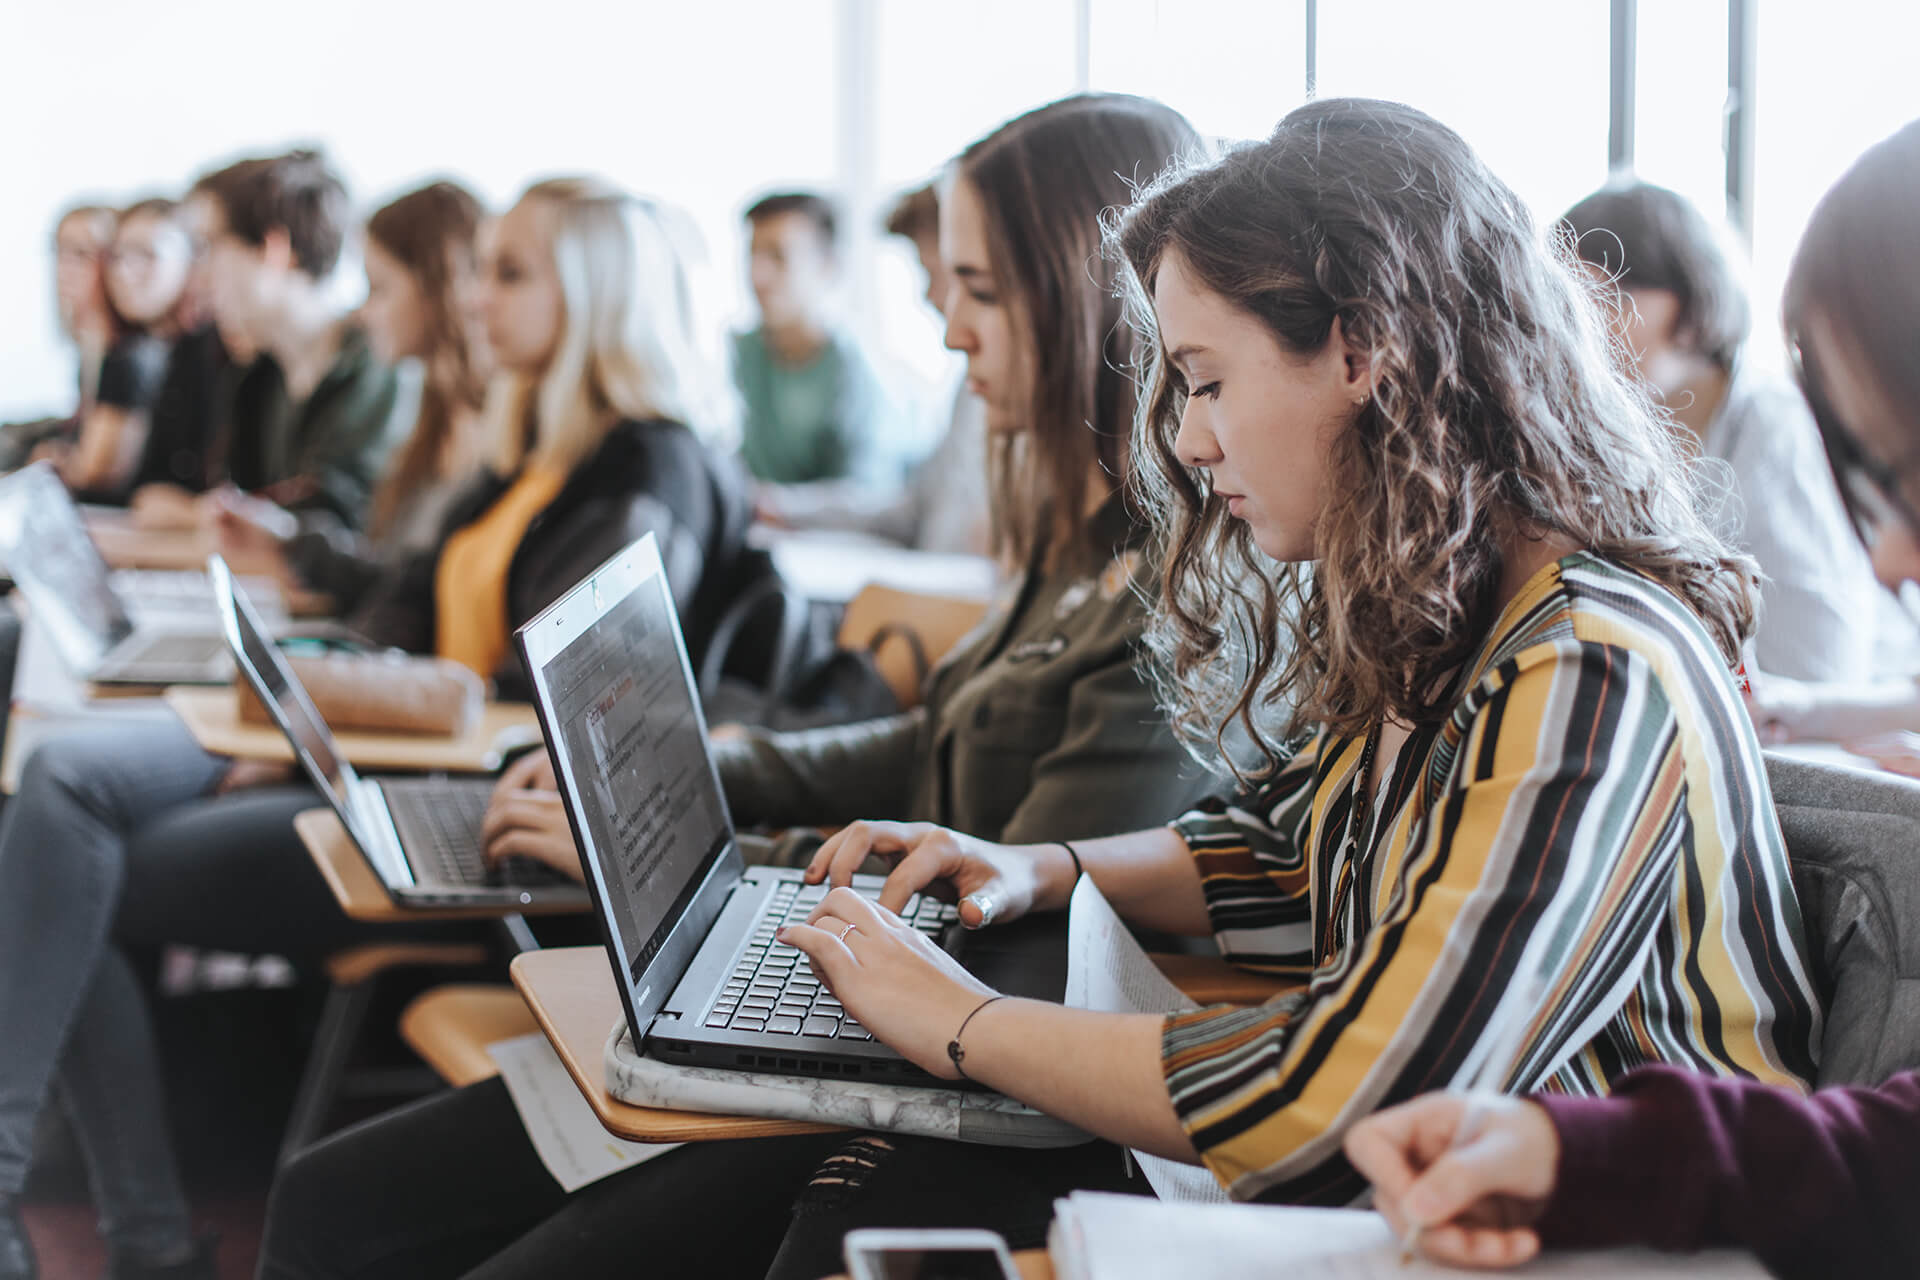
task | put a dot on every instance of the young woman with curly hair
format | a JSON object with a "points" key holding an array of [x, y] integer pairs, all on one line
{"points": [[1399, 484]]}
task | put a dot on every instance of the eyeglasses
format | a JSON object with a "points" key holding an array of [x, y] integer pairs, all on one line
{"points": [[1870, 490]]}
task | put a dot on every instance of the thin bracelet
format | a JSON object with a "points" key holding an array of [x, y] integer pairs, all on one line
{"points": [[954, 1051], [1073, 853]]}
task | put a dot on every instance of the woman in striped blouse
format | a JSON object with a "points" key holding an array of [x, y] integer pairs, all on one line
{"points": [[1524, 794]]}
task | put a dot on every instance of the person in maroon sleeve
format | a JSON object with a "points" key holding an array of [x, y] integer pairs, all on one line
{"points": [[1814, 1186]]}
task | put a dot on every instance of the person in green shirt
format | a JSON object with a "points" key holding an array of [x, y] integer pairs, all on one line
{"points": [[812, 403]]}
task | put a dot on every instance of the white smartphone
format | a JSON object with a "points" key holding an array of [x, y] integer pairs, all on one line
{"points": [[874, 1253]]}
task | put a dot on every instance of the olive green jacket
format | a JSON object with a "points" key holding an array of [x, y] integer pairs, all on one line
{"points": [[1038, 726]]}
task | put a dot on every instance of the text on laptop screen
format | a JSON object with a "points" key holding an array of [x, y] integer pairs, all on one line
{"points": [[652, 809]]}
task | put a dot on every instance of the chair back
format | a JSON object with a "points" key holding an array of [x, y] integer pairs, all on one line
{"points": [[1853, 840], [906, 632]]}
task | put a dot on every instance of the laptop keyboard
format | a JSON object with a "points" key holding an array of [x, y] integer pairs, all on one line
{"points": [[182, 649], [773, 987], [439, 824]]}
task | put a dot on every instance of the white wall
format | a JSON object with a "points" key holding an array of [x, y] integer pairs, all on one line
{"points": [[705, 104]]}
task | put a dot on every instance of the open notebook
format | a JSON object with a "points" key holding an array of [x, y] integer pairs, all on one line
{"points": [[1115, 1237]]}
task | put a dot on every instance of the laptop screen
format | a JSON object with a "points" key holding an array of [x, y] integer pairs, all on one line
{"points": [[47, 551], [615, 690], [261, 662]]}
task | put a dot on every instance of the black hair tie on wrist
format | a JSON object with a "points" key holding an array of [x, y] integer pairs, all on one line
{"points": [[954, 1051], [1073, 853]]}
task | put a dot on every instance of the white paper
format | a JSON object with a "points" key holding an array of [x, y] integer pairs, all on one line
{"points": [[1098, 1236], [560, 1124], [1108, 971]]}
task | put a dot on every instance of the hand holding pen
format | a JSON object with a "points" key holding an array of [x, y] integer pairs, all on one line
{"points": [[1461, 1176]]}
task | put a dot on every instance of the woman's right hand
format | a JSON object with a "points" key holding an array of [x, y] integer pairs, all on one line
{"points": [[526, 819], [250, 534], [1473, 1192], [164, 507], [995, 883]]}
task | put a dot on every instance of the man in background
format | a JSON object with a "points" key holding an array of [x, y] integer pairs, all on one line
{"points": [[813, 404], [944, 505]]}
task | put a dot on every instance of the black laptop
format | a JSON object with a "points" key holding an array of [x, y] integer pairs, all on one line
{"points": [[689, 926]]}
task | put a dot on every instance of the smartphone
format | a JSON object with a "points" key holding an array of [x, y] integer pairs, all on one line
{"points": [[876, 1254]]}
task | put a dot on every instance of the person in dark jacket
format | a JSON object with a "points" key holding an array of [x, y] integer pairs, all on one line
{"points": [[1815, 1186], [135, 835], [423, 266]]}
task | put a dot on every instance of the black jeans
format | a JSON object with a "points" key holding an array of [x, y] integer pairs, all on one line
{"points": [[451, 1187]]}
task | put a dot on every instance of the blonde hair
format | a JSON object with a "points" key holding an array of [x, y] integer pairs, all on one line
{"points": [[626, 346]]}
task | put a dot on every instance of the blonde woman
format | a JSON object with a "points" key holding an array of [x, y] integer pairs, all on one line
{"points": [[128, 835]]}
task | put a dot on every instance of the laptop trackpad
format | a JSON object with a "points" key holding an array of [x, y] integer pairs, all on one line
{"points": [[1025, 958]]}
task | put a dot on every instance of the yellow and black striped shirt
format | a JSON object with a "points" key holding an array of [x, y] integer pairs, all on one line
{"points": [[1588, 845]]}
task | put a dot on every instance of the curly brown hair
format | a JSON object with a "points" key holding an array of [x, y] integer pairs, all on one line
{"points": [[1495, 407]]}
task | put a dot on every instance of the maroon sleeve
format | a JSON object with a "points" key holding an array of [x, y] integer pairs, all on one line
{"points": [[1821, 1185]]}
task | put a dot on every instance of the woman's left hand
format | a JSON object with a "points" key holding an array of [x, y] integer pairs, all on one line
{"points": [[891, 978]]}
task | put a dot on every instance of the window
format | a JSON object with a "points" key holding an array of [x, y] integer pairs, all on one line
{"points": [[1831, 80], [1524, 83], [1680, 100], [1231, 67]]}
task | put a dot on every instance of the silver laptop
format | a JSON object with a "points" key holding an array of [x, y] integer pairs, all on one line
{"points": [[689, 926], [421, 835], [46, 550]]}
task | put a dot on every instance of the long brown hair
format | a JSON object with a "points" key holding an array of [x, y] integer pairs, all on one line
{"points": [[1044, 180], [1494, 406], [431, 232], [1857, 270]]}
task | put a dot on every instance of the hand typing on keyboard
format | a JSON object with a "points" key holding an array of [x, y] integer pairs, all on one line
{"points": [[887, 974], [773, 987], [526, 822]]}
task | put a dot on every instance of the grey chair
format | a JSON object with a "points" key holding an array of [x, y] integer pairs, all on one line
{"points": [[1854, 842]]}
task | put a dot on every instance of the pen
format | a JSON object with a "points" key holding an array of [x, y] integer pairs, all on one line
{"points": [[1498, 1064]]}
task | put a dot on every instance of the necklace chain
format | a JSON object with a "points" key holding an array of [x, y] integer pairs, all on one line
{"points": [[1360, 828]]}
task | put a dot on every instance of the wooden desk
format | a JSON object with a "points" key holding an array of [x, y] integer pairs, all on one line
{"points": [[571, 993], [359, 891], [124, 547], [49, 701], [211, 715]]}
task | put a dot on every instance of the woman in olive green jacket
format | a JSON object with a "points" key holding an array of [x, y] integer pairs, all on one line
{"points": [[1038, 726]]}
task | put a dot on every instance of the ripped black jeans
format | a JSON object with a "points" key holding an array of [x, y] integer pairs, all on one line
{"points": [[451, 1187]]}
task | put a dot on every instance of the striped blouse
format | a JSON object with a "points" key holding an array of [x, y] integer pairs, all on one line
{"points": [[1587, 845]]}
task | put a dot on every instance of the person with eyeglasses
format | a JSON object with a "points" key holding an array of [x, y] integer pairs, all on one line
{"points": [[148, 268], [1814, 1186]]}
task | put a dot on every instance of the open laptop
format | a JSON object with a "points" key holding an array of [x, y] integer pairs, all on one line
{"points": [[688, 925], [46, 550], [421, 835]]}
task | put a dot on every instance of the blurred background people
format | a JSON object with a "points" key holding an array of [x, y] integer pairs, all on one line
{"points": [[812, 407], [943, 507]]}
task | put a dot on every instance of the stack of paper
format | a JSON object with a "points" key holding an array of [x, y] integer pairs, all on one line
{"points": [[1098, 1236]]}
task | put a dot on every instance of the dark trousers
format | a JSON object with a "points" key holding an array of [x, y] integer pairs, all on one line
{"points": [[113, 839], [451, 1187]]}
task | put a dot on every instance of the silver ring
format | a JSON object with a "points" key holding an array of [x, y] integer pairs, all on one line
{"points": [[849, 929], [983, 902]]}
